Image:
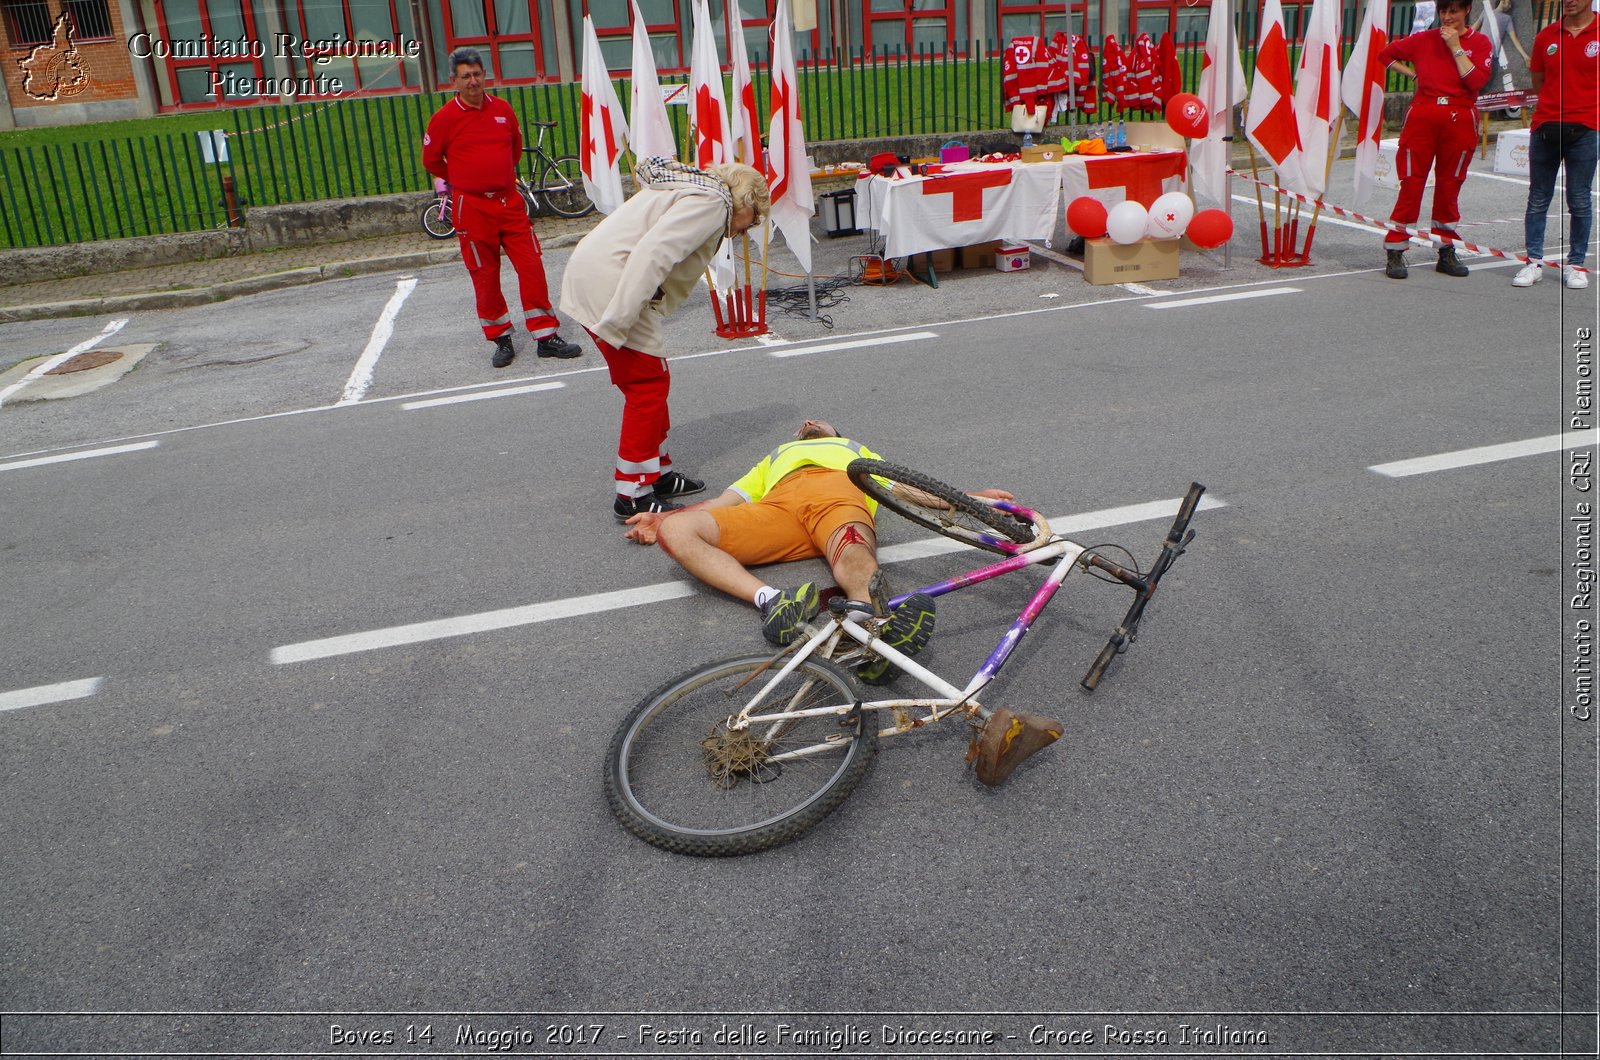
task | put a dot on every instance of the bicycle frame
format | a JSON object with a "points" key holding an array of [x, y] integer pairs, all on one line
{"points": [[845, 620]]}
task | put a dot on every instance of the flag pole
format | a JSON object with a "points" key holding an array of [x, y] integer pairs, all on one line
{"points": [[1261, 210], [1225, 70], [1333, 149]]}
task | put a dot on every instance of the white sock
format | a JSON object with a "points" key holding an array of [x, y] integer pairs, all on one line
{"points": [[763, 594]]}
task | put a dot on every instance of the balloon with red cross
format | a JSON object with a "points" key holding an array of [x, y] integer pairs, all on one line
{"points": [[1170, 214], [1187, 115]]}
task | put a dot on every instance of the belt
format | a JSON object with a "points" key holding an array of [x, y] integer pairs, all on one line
{"points": [[1449, 101]]}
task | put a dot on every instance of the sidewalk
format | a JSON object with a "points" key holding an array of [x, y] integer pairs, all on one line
{"points": [[217, 279]]}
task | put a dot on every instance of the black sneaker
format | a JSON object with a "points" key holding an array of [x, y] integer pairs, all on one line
{"points": [[908, 630], [677, 484], [785, 613], [556, 346], [627, 507], [504, 354]]}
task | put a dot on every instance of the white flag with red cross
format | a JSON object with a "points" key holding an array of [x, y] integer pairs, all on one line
{"points": [[708, 106], [1362, 90], [602, 130], [788, 172], [743, 116], [1316, 91], [1270, 116], [1221, 88], [651, 131]]}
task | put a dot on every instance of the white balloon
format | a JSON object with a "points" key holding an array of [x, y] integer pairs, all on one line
{"points": [[1126, 222], [1170, 215]]}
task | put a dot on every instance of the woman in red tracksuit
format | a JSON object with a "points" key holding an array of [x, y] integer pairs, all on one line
{"points": [[1451, 65]]}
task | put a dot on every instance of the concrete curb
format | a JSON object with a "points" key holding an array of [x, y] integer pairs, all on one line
{"points": [[221, 292]]}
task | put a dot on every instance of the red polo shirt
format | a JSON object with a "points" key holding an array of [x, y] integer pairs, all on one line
{"points": [[1437, 75], [474, 149], [1570, 63]]}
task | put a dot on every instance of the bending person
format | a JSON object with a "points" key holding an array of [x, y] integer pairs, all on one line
{"points": [[797, 503], [632, 271]]}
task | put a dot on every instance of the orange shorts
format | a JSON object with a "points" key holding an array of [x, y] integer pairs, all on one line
{"points": [[794, 520]]}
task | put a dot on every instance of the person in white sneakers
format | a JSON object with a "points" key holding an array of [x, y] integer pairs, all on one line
{"points": [[1565, 68]]}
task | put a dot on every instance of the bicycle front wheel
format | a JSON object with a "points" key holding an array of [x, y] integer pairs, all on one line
{"points": [[436, 221], [678, 776], [943, 509], [561, 186]]}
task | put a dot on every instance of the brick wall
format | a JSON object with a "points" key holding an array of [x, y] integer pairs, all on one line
{"points": [[103, 70]]}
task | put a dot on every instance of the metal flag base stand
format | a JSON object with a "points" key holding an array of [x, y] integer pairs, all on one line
{"points": [[740, 313]]}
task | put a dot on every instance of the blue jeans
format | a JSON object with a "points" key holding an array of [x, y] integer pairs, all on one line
{"points": [[1548, 146]]}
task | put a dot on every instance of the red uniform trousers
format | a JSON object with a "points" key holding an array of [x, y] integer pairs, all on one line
{"points": [[486, 224], [642, 447], [1440, 137]]}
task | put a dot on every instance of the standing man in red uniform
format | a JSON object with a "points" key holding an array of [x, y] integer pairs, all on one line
{"points": [[1451, 65], [1565, 65], [474, 142]]}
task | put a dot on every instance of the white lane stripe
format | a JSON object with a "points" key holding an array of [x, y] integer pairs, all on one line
{"points": [[881, 340], [481, 396], [355, 388], [49, 363], [1065, 524], [480, 623], [1210, 299], [650, 594], [42, 694], [1487, 454], [61, 458]]}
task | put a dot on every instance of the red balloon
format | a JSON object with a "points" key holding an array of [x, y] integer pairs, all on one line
{"points": [[1087, 217], [1210, 228], [1187, 115]]}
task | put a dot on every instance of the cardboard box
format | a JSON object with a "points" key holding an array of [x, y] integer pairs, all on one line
{"points": [[979, 255], [1013, 257], [1511, 153], [1383, 174], [1106, 261], [1042, 153], [940, 260], [1156, 134]]}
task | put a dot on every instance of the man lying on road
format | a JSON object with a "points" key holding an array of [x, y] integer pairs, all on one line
{"points": [[798, 503]]}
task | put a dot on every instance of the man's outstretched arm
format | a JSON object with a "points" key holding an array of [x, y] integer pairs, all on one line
{"points": [[645, 525]]}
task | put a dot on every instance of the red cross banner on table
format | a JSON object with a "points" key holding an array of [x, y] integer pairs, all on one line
{"points": [[1116, 178], [957, 209]]}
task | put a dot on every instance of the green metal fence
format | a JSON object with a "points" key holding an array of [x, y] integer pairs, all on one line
{"points": [[89, 188]]}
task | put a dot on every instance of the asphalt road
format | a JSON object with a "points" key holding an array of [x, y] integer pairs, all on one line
{"points": [[307, 701]]}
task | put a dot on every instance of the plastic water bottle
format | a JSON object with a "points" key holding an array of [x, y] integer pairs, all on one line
{"points": [[1122, 133]]}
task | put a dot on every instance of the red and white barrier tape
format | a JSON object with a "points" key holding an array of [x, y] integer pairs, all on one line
{"points": [[1427, 234]]}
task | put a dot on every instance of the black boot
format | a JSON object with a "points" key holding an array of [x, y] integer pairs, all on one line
{"points": [[1449, 264], [1395, 268]]}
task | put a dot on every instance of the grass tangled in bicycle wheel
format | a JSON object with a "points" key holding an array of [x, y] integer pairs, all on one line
{"points": [[735, 754]]}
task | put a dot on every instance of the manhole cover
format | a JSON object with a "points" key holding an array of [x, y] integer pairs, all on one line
{"points": [[85, 361]]}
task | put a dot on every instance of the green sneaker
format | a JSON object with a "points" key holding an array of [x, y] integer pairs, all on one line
{"points": [[908, 630], [785, 613]]}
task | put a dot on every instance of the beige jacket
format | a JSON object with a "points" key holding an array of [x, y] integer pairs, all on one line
{"points": [[640, 263]]}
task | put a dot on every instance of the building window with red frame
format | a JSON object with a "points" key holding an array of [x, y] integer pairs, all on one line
{"points": [[28, 22]]}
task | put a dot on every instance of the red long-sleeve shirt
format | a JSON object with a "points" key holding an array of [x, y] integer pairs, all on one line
{"points": [[475, 150], [1436, 65]]}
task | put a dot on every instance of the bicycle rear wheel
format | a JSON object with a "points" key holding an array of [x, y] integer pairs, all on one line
{"points": [[677, 776], [561, 186], [942, 509], [436, 220]]}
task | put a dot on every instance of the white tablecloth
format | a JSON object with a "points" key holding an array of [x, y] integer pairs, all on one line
{"points": [[976, 202]]}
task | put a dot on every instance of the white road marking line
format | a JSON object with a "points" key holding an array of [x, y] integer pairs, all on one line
{"points": [[481, 396], [355, 388], [43, 694], [1487, 454], [1210, 299], [852, 344], [1495, 263], [49, 363], [1065, 524], [1139, 288], [480, 623], [61, 458], [576, 606], [771, 338]]}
